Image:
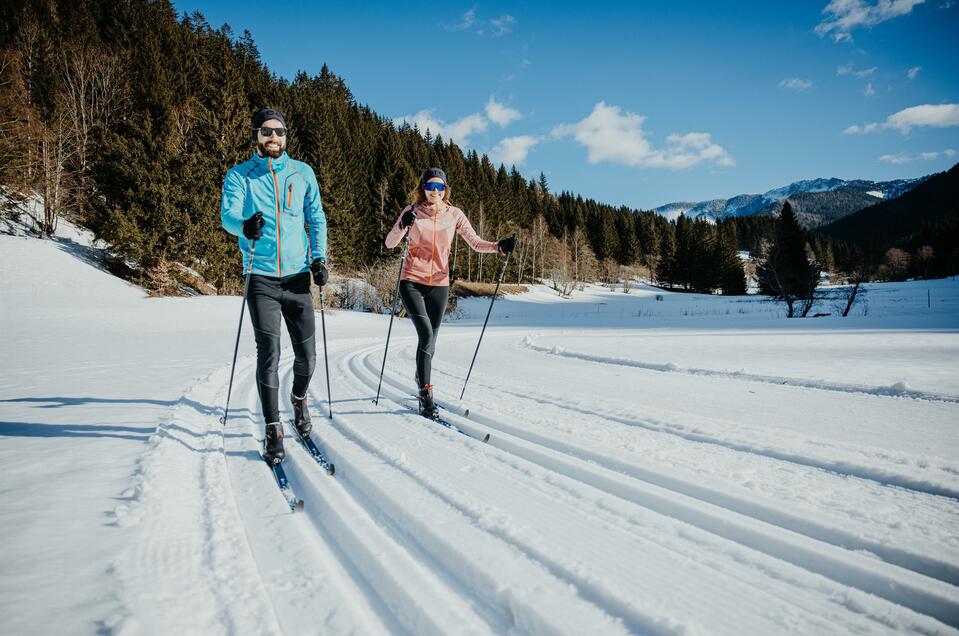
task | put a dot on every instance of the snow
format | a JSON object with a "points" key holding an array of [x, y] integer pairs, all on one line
{"points": [[877, 193], [694, 465]]}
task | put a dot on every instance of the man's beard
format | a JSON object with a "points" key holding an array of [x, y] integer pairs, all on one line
{"points": [[265, 152]]}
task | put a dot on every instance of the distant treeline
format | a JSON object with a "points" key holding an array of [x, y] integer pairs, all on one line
{"points": [[130, 116]]}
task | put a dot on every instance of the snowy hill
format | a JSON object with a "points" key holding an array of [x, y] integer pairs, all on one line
{"points": [[770, 202], [658, 463]]}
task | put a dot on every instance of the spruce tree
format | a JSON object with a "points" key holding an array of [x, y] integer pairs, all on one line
{"points": [[786, 272]]}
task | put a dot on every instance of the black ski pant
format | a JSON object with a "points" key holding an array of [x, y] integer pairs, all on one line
{"points": [[425, 305], [270, 297]]}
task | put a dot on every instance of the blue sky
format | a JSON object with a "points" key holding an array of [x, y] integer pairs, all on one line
{"points": [[642, 103]]}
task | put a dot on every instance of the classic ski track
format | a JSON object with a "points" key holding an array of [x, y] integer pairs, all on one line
{"points": [[617, 609], [836, 387], [768, 511], [902, 585], [188, 560], [792, 596], [781, 570], [406, 596], [500, 596], [840, 468]]}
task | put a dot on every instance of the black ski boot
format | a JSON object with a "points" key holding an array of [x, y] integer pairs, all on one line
{"points": [[427, 407], [301, 416], [273, 443]]}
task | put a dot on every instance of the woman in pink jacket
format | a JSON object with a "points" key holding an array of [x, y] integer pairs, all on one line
{"points": [[424, 285]]}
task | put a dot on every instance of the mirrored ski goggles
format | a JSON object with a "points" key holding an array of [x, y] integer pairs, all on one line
{"points": [[266, 131], [430, 187]]}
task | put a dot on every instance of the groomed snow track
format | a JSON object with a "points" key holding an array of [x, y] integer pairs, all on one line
{"points": [[424, 531]]}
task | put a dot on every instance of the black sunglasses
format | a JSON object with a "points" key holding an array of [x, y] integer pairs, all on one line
{"points": [[266, 131]]}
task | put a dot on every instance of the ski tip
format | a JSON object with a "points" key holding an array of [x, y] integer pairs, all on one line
{"points": [[486, 439], [299, 506], [330, 469]]}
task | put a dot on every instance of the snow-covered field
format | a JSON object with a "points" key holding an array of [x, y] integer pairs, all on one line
{"points": [[690, 465]]}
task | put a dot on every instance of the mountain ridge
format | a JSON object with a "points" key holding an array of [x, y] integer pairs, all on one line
{"points": [[855, 194]]}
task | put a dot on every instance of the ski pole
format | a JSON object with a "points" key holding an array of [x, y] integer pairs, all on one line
{"points": [[396, 295], [502, 272], [326, 358], [239, 328]]}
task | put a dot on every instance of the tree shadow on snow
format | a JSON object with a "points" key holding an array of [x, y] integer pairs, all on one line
{"points": [[34, 429], [58, 402]]}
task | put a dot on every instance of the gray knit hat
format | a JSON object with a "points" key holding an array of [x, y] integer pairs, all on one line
{"points": [[432, 173]]}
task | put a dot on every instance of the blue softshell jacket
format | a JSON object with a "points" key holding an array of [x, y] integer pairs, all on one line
{"points": [[286, 192]]}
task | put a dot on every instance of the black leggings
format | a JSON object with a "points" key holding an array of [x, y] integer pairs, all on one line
{"points": [[425, 305], [268, 298]]}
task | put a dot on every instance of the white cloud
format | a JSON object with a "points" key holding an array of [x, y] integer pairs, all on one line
{"points": [[911, 73], [929, 156], [514, 150], [500, 113], [931, 115], [458, 131], [462, 129], [861, 130], [867, 72], [612, 135], [869, 91], [896, 159], [922, 156], [796, 84], [502, 25], [469, 19], [842, 16], [845, 69]]}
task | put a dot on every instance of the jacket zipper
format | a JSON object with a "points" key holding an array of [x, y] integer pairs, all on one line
{"points": [[276, 197], [289, 198], [433, 252]]}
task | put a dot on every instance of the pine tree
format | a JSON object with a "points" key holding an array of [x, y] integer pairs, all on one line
{"points": [[628, 243], [731, 276], [786, 273]]}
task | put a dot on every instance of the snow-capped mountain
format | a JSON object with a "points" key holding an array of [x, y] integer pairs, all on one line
{"points": [[770, 202]]}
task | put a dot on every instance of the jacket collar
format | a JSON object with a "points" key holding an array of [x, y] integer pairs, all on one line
{"points": [[265, 162], [428, 209]]}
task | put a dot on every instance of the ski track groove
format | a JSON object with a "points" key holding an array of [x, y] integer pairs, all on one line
{"points": [[503, 596], [414, 599], [923, 564], [601, 598], [901, 585], [161, 561], [836, 387], [624, 524], [332, 508], [844, 469]]}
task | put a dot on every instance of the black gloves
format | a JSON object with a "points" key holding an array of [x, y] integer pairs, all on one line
{"points": [[320, 273], [407, 219], [507, 245], [252, 227]]}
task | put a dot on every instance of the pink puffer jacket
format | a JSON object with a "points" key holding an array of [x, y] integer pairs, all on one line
{"points": [[430, 237]]}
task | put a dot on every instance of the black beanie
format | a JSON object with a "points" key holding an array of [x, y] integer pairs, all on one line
{"points": [[432, 173], [267, 114]]}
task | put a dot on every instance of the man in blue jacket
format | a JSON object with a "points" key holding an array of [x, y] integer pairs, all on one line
{"points": [[272, 203]]}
